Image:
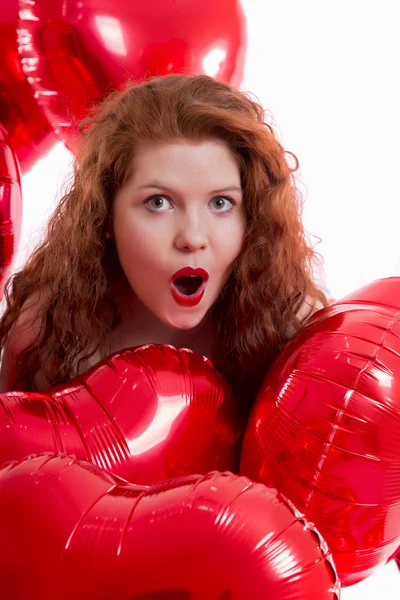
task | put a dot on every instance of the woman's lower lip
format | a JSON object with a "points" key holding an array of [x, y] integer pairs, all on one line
{"points": [[192, 300]]}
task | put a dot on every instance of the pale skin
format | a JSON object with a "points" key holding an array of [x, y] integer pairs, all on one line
{"points": [[182, 206]]}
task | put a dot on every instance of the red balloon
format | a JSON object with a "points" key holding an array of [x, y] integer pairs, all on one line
{"points": [[76, 51], [30, 134], [70, 530], [146, 414], [10, 207], [325, 429]]}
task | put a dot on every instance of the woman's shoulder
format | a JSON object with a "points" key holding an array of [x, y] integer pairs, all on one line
{"points": [[23, 333], [307, 309]]}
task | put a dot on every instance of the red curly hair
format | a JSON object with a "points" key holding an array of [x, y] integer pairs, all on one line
{"points": [[72, 270]]}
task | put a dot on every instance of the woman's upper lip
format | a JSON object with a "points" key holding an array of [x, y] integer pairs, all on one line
{"points": [[190, 271]]}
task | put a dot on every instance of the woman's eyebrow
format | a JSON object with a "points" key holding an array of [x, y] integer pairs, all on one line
{"points": [[156, 184]]}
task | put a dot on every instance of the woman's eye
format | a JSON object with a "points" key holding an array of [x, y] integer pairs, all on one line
{"points": [[222, 202], [157, 203]]}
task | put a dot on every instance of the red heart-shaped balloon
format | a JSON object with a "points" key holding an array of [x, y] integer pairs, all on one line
{"points": [[146, 414], [70, 530], [10, 207], [325, 429], [29, 133], [76, 51]]}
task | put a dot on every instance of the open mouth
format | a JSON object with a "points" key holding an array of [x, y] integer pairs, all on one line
{"points": [[188, 284]]}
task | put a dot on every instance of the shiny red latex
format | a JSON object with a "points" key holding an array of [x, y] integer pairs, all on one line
{"points": [[70, 530], [325, 429], [75, 52], [10, 207], [146, 414], [30, 134]]}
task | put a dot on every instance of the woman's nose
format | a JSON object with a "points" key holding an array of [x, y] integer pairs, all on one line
{"points": [[191, 234]]}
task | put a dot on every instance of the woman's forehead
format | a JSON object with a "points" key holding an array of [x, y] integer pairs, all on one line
{"points": [[213, 158]]}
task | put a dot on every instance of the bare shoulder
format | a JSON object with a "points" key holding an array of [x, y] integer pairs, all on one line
{"points": [[308, 308], [22, 334]]}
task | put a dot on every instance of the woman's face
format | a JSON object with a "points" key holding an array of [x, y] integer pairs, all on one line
{"points": [[183, 206]]}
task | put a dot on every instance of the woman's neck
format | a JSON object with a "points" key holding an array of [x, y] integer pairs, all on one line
{"points": [[138, 326]]}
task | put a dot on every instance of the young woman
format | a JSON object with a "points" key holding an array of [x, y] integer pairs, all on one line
{"points": [[178, 172]]}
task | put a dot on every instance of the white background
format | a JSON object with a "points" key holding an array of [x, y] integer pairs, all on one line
{"points": [[328, 72]]}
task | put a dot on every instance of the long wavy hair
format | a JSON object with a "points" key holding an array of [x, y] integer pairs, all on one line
{"points": [[72, 270]]}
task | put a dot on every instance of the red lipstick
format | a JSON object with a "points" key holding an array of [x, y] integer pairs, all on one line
{"points": [[189, 299]]}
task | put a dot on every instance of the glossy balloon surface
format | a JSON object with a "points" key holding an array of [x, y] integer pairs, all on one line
{"points": [[146, 414], [75, 52], [10, 207], [325, 429], [30, 134], [90, 535]]}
